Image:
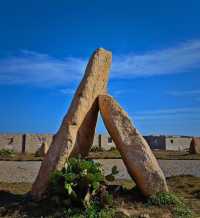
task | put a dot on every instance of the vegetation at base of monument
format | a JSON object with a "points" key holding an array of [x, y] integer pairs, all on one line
{"points": [[81, 187], [92, 211], [16, 203], [97, 149], [7, 152], [179, 209]]}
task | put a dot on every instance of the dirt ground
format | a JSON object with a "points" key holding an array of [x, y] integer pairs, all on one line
{"points": [[159, 154], [113, 154], [15, 202]]}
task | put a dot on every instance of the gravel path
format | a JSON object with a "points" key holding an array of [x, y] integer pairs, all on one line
{"points": [[26, 171]]}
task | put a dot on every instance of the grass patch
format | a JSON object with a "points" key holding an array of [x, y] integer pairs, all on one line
{"points": [[7, 152], [159, 154], [15, 203], [97, 153], [179, 209]]}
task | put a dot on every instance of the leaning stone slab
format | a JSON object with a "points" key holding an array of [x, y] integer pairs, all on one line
{"points": [[136, 153], [76, 133]]}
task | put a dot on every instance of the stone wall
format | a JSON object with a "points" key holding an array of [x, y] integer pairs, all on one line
{"points": [[30, 143], [176, 143], [156, 142], [11, 141], [34, 141], [107, 142]]}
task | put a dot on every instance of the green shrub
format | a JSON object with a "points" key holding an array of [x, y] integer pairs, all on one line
{"points": [[81, 188], [111, 177], [93, 211], [179, 209], [7, 152], [78, 182], [163, 198]]}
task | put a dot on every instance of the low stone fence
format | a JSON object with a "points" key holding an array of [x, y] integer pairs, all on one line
{"points": [[30, 143], [25, 143]]}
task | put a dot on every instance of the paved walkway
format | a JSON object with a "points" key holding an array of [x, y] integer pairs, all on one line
{"points": [[26, 171]]}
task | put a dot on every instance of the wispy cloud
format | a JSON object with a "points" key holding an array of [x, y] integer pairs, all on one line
{"points": [[184, 57], [168, 113], [120, 92], [30, 67], [179, 93], [67, 91], [39, 69]]}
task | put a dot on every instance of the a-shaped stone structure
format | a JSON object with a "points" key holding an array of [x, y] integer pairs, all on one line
{"points": [[76, 133], [136, 153]]}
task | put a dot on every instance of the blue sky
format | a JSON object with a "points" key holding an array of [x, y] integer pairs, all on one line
{"points": [[45, 45]]}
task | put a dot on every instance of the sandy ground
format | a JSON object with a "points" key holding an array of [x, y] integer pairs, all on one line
{"points": [[26, 171]]}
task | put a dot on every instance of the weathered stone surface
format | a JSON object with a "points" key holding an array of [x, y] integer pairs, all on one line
{"points": [[195, 146], [78, 127], [136, 153]]}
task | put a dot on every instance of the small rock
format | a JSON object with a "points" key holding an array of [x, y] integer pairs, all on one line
{"points": [[144, 215], [122, 213]]}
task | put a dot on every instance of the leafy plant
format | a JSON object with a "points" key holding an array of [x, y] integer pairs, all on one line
{"points": [[78, 181], [111, 177], [93, 211]]}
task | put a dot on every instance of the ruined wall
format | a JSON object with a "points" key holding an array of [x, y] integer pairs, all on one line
{"points": [[11, 141], [106, 142], [96, 141], [30, 143], [34, 141], [176, 143], [156, 142]]}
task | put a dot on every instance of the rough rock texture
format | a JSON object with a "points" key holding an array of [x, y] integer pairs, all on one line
{"points": [[78, 127], [195, 146], [136, 153]]}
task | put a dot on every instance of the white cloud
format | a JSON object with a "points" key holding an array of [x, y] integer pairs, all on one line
{"points": [[179, 59], [179, 93], [125, 91], [33, 68], [39, 69], [67, 91], [168, 113]]}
